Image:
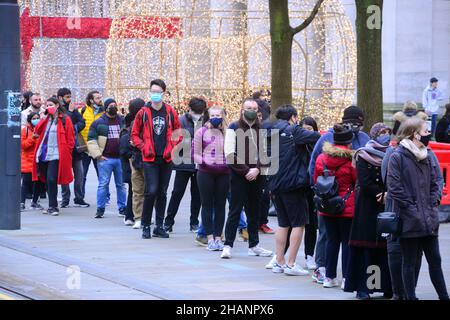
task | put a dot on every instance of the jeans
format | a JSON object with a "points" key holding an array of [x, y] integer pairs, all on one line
{"points": [[105, 169], [246, 194], [49, 170], [29, 187], [179, 187], [213, 190], [433, 123], [78, 173], [157, 178], [321, 244], [410, 251], [338, 234]]}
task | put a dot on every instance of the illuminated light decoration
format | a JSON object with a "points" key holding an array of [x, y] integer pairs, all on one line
{"points": [[211, 48]]}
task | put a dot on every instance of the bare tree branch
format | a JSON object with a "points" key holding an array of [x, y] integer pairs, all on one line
{"points": [[311, 17]]}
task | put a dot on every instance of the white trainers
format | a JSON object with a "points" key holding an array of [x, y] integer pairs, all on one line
{"points": [[330, 283], [272, 262], [310, 263], [295, 270], [137, 224], [277, 268], [127, 222], [343, 284], [258, 251], [226, 252]]}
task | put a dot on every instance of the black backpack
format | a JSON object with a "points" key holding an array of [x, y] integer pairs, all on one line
{"points": [[326, 190]]}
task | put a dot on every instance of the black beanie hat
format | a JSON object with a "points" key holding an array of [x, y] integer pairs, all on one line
{"points": [[353, 114], [344, 137]]}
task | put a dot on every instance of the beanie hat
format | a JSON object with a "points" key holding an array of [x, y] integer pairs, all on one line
{"points": [[344, 137], [353, 114], [377, 128], [108, 102]]}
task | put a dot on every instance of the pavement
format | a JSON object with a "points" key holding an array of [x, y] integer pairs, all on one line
{"points": [[74, 256]]}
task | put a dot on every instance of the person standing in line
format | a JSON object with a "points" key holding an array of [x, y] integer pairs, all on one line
{"points": [[35, 106], [443, 127]]}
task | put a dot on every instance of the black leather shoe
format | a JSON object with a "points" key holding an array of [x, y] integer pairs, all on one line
{"points": [[159, 232], [146, 232], [168, 227]]}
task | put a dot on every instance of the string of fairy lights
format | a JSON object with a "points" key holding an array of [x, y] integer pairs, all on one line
{"points": [[212, 48]]}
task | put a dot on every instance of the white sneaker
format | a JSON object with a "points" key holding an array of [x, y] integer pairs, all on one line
{"points": [[277, 268], [310, 263], [272, 262], [330, 283], [137, 224], [128, 222], [258, 251], [226, 252], [295, 270], [343, 284]]}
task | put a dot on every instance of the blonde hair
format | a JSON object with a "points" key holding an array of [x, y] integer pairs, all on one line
{"points": [[409, 128], [222, 111], [410, 105]]}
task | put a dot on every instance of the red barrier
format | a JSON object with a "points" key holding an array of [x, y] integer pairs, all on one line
{"points": [[442, 151]]}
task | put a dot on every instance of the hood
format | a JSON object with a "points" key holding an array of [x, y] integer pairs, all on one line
{"points": [[337, 151]]}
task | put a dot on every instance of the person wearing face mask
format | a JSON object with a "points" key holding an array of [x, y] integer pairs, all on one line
{"points": [[52, 161], [354, 117], [156, 133], [414, 188], [213, 176], [366, 246], [190, 121], [29, 141], [246, 179], [35, 105], [104, 146]]}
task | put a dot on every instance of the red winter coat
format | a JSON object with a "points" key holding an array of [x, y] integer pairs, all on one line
{"points": [[338, 159], [28, 148], [142, 133], [66, 142]]}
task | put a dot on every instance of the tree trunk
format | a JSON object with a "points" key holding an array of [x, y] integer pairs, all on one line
{"points": [[369, 74], [281, 41]]}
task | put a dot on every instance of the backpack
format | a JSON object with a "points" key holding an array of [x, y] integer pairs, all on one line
{"points": [[326, 190]]}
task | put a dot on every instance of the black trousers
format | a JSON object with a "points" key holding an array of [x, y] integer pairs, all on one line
{"points": [[265, 203], [245, 194], [129, 209], [213, 192], [311, 227], [157, 178], [179, 187], [49, 170], [410, 251], [86, 159], [29, 187]]}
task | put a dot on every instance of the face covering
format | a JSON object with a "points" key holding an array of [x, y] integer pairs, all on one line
{"points": [[156, 97], [112, 111], [356, 128], [34, 122], [216, 122], [195, 116], [425, 140], [50, 110], [250, 115], [383, 139]]}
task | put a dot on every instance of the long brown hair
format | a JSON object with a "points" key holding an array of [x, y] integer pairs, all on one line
{"points": [[409, 128]]}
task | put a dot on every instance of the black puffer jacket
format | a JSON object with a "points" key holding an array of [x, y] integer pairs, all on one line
{"points": [[414, 188], [126, 152]]}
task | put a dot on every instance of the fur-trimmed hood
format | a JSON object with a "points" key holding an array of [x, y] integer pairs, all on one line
{"points": [[337, 151], [402, 116]]}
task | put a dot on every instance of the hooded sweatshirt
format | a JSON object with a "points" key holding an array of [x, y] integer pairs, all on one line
{"points": [[431, 99]]}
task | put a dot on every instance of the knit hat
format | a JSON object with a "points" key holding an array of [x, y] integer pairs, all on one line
{"points": [[108, 102], [353, 114], [344, 137], [377, 128]]}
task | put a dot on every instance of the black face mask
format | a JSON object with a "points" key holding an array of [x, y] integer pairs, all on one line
{"points": [[425, 140], [112, 111]]}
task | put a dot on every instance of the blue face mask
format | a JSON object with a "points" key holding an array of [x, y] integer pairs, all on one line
{"points": [[383, 139], [156, 97], [34, 122], [216, 122]]}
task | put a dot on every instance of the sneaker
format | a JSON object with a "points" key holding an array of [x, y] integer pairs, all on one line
{"points": [[226, 253], [52, 211], [276, 268], [272, 262], [159, 232], [264, 228], [243, 235], [219, 245], [295, 270], [310, 263], [64, 204], [100, 213], [343, 284], [258, 251], [362, 295], [194, 228], [128, 222], [36, 206], [137, 224], [22, 206], [330, 283], [122, 212], [168, 227], [146, 232], [203, 241], [212, 245], [319, 275], [81, 204]]}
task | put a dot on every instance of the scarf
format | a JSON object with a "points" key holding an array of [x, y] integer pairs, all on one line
{"points": [[373, 153], [420, 153]]}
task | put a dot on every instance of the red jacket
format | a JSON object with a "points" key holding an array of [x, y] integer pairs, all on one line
{"points": [[66, 142], [28, 146], [338, 159], [142, 133]]}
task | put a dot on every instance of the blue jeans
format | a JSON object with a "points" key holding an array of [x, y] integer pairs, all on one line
{"points": [[105, 169], [433, 123], [242, 225]]}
